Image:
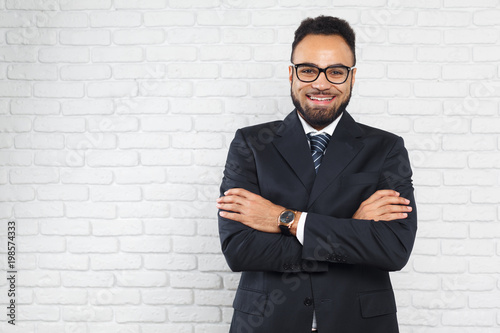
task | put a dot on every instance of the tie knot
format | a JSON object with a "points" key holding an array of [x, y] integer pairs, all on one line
{"points": [[319, 142]]}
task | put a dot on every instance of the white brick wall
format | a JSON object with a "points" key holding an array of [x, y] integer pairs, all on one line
{"points": [[116, 115]]}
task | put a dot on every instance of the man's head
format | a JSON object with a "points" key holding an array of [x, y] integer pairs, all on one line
{"points": [[325, 43]]}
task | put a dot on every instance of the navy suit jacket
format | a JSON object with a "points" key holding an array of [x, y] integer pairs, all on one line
{"points": [[342, 270]]}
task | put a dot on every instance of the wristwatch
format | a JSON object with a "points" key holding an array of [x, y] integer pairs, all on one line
{"points": [[285, 221]]}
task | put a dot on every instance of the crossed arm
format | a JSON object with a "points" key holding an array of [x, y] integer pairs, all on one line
{"points": [[260, 214]]}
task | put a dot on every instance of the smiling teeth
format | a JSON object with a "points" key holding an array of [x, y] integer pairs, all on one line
{"points": [[321, 99]]}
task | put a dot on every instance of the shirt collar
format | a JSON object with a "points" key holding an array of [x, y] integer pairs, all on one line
{"points": [[328, 129]]}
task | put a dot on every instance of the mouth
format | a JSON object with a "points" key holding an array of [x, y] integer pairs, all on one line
{"points": [[320, 99]]}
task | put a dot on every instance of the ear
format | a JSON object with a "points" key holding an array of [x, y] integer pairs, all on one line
{"points": [[290, 74], [353, 77]]}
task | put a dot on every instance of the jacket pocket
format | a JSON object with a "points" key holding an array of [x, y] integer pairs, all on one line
{"points": [[250, 301], [377, 303]]}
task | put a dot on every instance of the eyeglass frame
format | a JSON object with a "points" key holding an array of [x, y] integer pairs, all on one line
{"points": [[323, 70]]}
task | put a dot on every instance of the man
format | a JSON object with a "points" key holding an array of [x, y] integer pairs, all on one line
{"points": [[317, 209]]}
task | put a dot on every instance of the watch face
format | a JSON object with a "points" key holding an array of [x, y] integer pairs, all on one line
{"points": [[287, 216]]}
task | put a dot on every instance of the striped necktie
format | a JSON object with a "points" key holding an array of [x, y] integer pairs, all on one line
{"points": [[318, 146]]}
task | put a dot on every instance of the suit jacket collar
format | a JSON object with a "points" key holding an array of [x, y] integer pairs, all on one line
{"points": [[291, 142]]}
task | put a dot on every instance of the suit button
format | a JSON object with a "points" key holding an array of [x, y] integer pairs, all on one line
{"points": [[308, 301]]}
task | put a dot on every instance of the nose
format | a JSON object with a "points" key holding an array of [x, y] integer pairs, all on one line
{"points": [[321, 82]]}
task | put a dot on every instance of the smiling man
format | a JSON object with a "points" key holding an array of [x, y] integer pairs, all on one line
{"points": [[317, 209]]}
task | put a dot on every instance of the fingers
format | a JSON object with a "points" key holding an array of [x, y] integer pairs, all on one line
{"points": [[381, 194], [241, 192]]}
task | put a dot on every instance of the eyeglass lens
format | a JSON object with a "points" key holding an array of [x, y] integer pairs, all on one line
{"points": [[334, 74]]}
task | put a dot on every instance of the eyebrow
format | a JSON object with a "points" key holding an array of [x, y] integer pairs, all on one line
{"points": [[333, 65]]}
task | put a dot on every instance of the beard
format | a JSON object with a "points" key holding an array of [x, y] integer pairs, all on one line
{"points": [[320, 117]]}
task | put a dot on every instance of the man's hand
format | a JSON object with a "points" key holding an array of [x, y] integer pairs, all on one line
{"points": [[383, 205], [250, 209]]}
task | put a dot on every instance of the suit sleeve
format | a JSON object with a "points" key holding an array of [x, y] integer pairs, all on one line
{"points": [[384, 244], [244, 248]]}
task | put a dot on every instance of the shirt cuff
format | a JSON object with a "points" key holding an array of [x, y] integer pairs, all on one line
{"points": [[301, 223]]}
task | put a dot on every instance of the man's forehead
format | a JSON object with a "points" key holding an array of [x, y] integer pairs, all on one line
{"points": [[323, 50]]}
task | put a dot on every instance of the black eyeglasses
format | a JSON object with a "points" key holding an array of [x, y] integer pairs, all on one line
{"points": [[334, 74]]}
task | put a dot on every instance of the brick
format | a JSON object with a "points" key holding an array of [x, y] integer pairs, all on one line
{"points": [[139, 71], [232, 53], [225, 88], [59, 124], [6, 141], [113, 124], [212, 263], [15, 89], [34, 176], [168, 227], [443, 230], [246, 71], [196, 244], [90, 210], [59, 90], [441, 89], [248, 36], [468, 318], [39, 279], [214, 297], [113, 328], [115, 19], [486, 53], [32, 72], [112, 89], [468, 248], [64, 55], [87, 107], [92, 245], [170, 262], [439, 300], [467, 142], [485, 196], [116, 227], [37, 210], [86, 314], [388, 89], [195, 314], [487, 17], [166, 123], [166, 89], [18, 53], [468, 72], [17, 193], [205, 228], [15, 158], [484, 301], [115, 261], [193, 3], [388, 17], [30, 36], [85, 4], [270, 89], [169, 157], [472, 282], [59, 262], [485, 125], [62, 20], [144, 210], [470, 106], [469, 3], [160, 296], [34, 106], [193, 36], [138, 4], [54, 296], [60, 328], [144, 140], [140, 314], [171, 53], [114, 296], [84, 176], [85, 72], [194, 175], [115, 193], [441, 125], [469, 213], [141, 106], [210, 157], [388, 53], [169, 18], [414, 71], [58, 158], [38, 313], [469, 178], [444, 19], [143, 175], [414, 107], [117, 54], [62, 193], [250, 106], [195, 280], [85, 37], [471, 36], [223, 18], [65, 228], [15, 20], [193, 71], [142, 279], [271, 53], [145, 244], [485, 89], [484, 160], [443, 54], [442, 264]]}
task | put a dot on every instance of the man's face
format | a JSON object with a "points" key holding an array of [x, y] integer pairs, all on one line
{"points": [[321, 102]]}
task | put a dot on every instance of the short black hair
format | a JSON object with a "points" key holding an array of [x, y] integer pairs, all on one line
{"points": [[325, 25]]}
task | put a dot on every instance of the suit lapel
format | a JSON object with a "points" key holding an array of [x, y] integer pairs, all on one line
{"points": [[343, 147], [292, 144]]}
